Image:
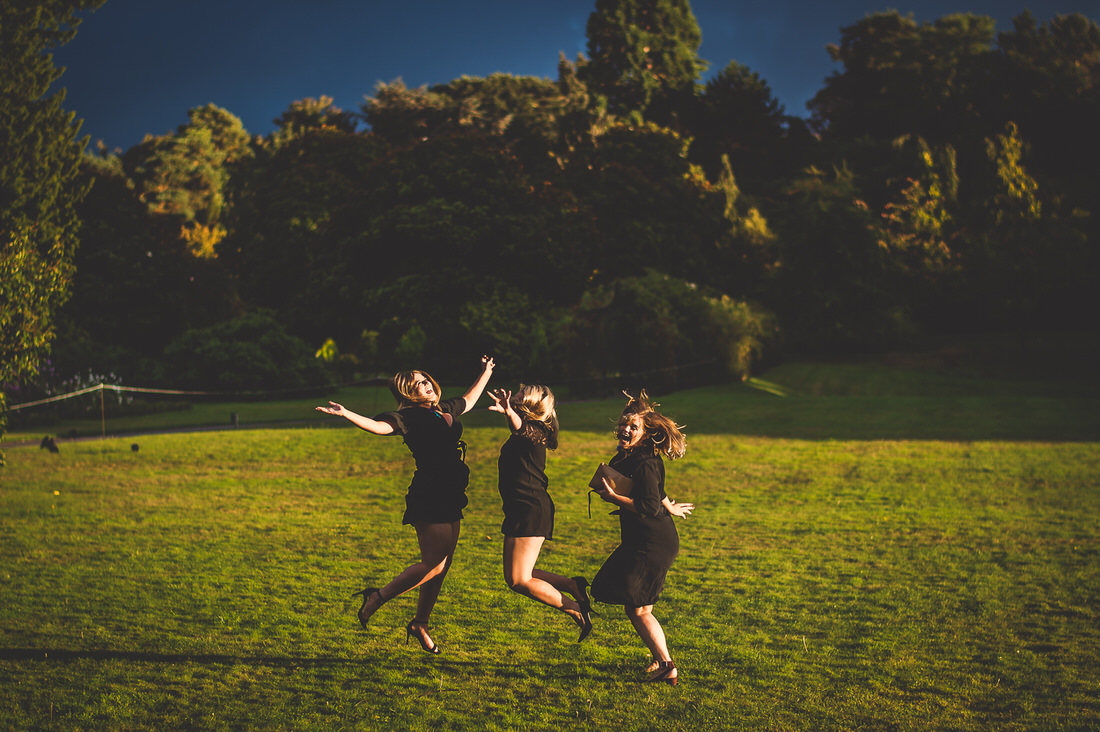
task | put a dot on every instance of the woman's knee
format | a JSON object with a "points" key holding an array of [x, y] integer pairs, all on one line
{"points": [[515, 581], [436, 568], [638, 612]]}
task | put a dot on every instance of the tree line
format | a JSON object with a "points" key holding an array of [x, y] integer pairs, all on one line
{"points": [[623, 217]]}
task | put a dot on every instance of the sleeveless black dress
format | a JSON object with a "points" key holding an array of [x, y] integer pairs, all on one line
{"points": [[634, 574], [522, 482], [437, 493]]}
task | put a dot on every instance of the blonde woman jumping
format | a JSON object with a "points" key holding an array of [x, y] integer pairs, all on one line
{"points": [[528, 509]]}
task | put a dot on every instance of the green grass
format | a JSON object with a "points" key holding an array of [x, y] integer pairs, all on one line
{"points": [[885, 560]]}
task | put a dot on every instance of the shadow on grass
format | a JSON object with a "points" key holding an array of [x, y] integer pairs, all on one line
{"points": [[64, 655], [502, 671]]}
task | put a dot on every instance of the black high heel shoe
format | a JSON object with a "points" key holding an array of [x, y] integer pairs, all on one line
{"points": [[664, 673], [585, 606], [419, 638], [368, 593]]}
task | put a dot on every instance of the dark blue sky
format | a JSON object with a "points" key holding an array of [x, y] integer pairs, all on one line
{"points": [[137, 66]]}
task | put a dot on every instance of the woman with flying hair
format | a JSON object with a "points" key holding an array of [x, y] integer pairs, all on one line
{"points": [[528, 510], [634, 575], [437, 493]]}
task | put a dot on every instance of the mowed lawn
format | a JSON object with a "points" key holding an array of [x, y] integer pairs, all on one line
{"points": [[863, 556]]}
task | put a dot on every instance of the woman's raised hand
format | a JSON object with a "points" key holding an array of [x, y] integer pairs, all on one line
{"points": [[487, 363], [501, 399]]}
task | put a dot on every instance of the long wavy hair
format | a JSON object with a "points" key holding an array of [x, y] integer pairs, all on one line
{"points": [[536, 403], [662, 435], [403, 388]]}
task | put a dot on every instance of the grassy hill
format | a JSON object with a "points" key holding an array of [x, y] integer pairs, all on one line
{"points": [[888, 546]]}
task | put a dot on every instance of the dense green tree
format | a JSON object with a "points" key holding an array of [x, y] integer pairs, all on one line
{"points": [[250, 353], [295, 204], [747, 248], [454, 234], [309, 114], [643, 56], [533, 217], [343, 234], [1023, 268], [137, 285], [1047, 81], [969, 110], [834, 286], [918, 227], [647, 207], [740, 118], [901, 77], [39, 159], [585, 117], [451, 219], [623, 198], [658, 332], [186, 174], [534, 117], [515, 327], [403, 116]]}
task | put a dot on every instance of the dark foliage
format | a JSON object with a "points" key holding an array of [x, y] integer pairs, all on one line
{"points": [[621, 219]]}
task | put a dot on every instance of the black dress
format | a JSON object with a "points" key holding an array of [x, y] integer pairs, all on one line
{"points": [[634, 574], [521, 479], [437, 493]]}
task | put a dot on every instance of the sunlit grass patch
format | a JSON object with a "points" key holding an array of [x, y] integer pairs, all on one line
{"points": [[853, 562]]}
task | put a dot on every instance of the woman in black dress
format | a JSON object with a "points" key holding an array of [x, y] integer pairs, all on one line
{"points": [[634, 575], [437, 494], [528, 510]]}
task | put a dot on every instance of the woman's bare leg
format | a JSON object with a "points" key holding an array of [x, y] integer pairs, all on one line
{"points": [[520, 555], [650, 631], [437, 545], [437, 548]]}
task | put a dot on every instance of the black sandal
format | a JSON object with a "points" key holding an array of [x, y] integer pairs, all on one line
{"points": [[664, 673], [585, 606], [420, 638], [368, 593]]}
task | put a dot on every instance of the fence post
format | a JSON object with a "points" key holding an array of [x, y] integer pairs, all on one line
{"points": [[102, 413]]}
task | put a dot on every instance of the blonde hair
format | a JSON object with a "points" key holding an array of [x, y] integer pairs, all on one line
{"points": [[535, 402], [662, 435], [403, 388], [535, 405]]}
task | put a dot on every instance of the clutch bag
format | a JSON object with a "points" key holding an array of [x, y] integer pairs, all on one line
{"points": [[619, 482]]}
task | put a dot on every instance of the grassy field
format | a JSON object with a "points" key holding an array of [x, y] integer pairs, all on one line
{"points": [[887, 547]]}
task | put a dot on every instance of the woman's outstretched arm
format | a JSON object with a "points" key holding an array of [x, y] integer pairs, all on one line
{"points": [[474, 392], [367, 424]]}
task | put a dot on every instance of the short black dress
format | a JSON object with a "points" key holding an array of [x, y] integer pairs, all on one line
{"points": [[437, 493], [521, 479], [634, 574]]}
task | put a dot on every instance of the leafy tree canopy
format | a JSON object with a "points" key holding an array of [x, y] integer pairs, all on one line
{"points": [[643, 55], [1048, 83], [310, 114], [741, 119], [39, 160], [186, 174], [903, 77]]}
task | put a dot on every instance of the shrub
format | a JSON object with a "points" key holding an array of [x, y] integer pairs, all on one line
{"points": [[250, 353]]}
